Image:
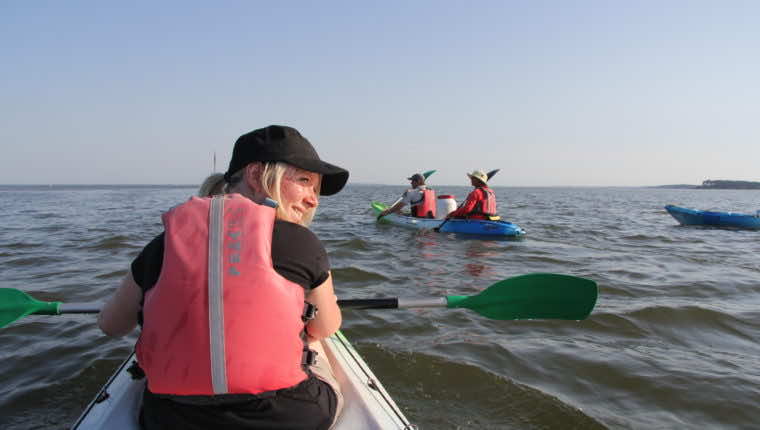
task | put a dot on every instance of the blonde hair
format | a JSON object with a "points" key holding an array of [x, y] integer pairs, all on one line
{"points": [[269, 180], [213, 185]]}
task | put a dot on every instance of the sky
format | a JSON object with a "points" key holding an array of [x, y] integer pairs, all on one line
{"points": [[553, 93]]}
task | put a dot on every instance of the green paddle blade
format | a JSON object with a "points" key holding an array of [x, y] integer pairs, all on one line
{"points": [[379, 207], [428, 173], [15, 304], [533, 296]]}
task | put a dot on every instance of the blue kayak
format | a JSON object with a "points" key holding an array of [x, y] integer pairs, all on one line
{"points": [[460, 226], [716, 219]]}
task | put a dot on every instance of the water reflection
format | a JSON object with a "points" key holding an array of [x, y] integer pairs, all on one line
{"points": [[481, 251]]}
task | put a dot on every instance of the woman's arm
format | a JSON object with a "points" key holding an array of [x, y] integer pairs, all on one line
{"points": [[119, 315], [329, 317]]}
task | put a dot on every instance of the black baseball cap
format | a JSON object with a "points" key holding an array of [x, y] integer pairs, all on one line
{"points": [[416, 177], [282, 143]]}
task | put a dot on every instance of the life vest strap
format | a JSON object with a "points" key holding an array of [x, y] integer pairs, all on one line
{"points": [[309, 312], [309, 357]]}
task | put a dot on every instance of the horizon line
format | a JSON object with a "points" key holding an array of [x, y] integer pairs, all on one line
{"points": [[348, 184]]}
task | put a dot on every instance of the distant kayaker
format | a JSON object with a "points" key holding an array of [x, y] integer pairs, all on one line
{"points": [[480, 203], [227, 295], [419, 197]]}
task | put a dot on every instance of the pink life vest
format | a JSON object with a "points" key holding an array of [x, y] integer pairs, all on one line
{"points": [[425, 209], [220, 319]]}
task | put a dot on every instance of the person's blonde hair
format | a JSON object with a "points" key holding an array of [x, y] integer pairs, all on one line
{"points": [[213, 185], [270, 180]]}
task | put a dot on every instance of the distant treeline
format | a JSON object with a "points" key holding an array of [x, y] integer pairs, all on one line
{"points": [[729, 185], [717, 185]]}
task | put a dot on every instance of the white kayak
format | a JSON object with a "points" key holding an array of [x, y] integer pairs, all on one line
{"points": [[367, 404]]}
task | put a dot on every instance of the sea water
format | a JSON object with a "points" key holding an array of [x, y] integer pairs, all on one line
{"points": [[672, 342]]}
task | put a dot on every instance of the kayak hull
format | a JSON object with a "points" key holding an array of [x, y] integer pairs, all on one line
{"points": [[459, 226], [367, 404], [687, 216]]}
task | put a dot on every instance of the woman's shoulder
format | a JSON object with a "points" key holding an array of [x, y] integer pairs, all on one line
{"points": [[288, 231], [291, 227], [298, 254]]}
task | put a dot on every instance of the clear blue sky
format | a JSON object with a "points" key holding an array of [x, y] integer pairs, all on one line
{"points": [[552, 92]]}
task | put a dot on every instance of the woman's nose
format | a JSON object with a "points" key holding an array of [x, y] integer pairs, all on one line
{"points": [[312, 198]]}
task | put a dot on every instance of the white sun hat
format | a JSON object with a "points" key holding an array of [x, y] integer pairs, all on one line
{"points": [[479, 175]]}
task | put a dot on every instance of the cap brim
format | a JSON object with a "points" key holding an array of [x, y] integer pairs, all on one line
{"points": [[334, 178]]}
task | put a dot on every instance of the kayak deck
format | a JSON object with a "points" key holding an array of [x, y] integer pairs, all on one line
{"points": [[367, 404], [459, 226]]}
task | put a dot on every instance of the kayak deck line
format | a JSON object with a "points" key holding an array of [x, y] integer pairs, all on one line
{"points": [[367, 405]]}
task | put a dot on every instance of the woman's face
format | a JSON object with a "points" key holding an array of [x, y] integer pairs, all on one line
{"points": [[299, 193]]}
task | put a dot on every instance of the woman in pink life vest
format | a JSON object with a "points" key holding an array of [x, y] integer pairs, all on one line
{"points": [[227, 304]]}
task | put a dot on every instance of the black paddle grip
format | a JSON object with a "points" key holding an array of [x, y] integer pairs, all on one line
{"points": [[391, 303]]}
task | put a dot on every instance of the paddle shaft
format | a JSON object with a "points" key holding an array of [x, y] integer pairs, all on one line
{"points": [[531, 296], [438, 229], [393, 303], [382, 303], [78, 308]]}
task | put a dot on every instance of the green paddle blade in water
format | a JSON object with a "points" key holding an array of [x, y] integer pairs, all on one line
{"points": [[533, 296], [15, 304]]}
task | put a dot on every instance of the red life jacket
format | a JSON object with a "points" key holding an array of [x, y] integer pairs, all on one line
{"points": [[426, 208], [220, 319], [485, 208]]}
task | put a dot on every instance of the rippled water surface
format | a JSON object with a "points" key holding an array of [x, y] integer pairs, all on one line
{"points": [[672, 343]]}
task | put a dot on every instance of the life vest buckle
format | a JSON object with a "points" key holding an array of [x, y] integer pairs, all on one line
{"points": [[309, 312], [309, 357]]}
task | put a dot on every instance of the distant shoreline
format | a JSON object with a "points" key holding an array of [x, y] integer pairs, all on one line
{"points": [[717, 185]]}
